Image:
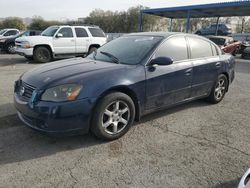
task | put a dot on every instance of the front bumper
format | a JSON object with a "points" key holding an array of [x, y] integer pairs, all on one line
{"points": [[24, 51], [54, 117]]}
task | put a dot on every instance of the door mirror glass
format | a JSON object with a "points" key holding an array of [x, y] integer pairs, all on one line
{"points": [[59, 35], [161, 61]]}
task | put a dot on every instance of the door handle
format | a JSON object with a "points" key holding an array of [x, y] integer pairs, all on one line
{"points": [[188, 72], [72, 40], [218, 65]]}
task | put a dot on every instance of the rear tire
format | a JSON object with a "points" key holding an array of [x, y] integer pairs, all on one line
{"points": [[219, 89], [113, 116], [42, 55], [91, 50]]}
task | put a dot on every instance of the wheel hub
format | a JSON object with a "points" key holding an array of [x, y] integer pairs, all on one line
{"points": [[115, 117]]}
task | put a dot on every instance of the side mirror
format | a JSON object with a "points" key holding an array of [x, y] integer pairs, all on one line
{"points": [[59, 35], [162, 61]]}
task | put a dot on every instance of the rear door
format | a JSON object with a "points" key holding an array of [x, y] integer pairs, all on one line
{"points": [[65, 44], [167, 85], [82, 40], [206, 63]]}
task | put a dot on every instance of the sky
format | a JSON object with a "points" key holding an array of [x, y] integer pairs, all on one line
{"points": [[73, 9]]}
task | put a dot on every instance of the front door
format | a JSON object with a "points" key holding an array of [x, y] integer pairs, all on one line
{"points": [[170, 84], [64, 41]]}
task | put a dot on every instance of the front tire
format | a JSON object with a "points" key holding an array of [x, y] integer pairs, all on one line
{"points": [[219, 89], [113, 116], [42, 55], [10, 48]]}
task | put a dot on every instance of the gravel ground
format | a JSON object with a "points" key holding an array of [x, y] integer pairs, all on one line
{"points": [[192, 145]]}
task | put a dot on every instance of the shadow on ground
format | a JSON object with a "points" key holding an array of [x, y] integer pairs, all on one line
{"points": [[229, 184], [19, 143]]}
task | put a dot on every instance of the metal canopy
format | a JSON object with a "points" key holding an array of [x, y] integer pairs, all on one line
{"points": [[226, 9]]}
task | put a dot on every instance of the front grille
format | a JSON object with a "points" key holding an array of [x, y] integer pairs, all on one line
{"points": [[28, 90]]}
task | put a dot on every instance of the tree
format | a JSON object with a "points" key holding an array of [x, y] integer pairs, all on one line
{"points": [[125, 21], [39, 23], [13, 23]]}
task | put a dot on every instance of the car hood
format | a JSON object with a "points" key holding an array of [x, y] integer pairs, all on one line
{"points": [[34, 39], [69, 70]]}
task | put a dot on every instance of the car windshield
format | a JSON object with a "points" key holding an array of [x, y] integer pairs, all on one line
{"points": [[50, 31], [2, 31], [218, 41], [126, 50], [26, 33]]}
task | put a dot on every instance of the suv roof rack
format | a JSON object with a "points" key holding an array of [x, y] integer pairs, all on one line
{"points": [[81, 24]]}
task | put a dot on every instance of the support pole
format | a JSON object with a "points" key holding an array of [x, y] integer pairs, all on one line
{"points": [[217, 26], [188, 21], [242, 25], [171, 25], [140, 21]]}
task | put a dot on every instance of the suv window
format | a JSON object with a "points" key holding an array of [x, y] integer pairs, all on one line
{"points": [[10, 33], [199, 48], [96, 32], [66, 32], [175, 48], [81, 32]]}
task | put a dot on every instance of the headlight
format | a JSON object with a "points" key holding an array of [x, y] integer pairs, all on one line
{"points": [[67, 92], [26, 44], [2, 40]]}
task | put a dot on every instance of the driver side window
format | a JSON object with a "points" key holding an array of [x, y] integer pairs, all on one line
{"points": [[66, 32], [174, 48]]}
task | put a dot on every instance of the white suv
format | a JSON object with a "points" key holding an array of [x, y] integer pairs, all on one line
{"points": [[61, 41]]}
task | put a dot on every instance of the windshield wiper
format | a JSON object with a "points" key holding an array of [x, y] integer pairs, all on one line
{"points": [[112, 57]]}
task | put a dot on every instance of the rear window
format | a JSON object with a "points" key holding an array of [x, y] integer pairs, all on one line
{"points": [[81, 32], [199, 48], [96, 32]]}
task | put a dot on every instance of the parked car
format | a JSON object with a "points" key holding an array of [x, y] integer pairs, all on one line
{"points": [[8, 44], [128, 77], [112, 36], [227, 44], [223, 29], [245, 180], [5, 33], [246, 53], [60, 42]]}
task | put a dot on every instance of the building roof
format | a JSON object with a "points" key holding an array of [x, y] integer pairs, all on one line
{"points": [[226, 9]]}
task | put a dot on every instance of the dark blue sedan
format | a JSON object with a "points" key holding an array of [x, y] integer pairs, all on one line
{"points": [[123, 80]]}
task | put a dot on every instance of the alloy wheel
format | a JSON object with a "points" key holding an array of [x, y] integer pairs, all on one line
{"points": [[115, 117], [220, 89]]}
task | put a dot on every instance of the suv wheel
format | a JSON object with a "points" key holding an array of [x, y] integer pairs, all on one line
{"points": [[42, 54], [92, 49], [113, 116], [219, 89], [10, 48]]}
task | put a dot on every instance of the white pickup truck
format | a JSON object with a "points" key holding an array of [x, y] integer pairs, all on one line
{"points": [[61, 41]]}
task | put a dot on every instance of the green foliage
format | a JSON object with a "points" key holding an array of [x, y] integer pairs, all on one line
{"points": [[123, 21], [39, 24], [13, 23]]}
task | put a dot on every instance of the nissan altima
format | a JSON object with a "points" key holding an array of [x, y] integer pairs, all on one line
{"points": [[123, 80]]}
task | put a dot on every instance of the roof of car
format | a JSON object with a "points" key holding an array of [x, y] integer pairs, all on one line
{"points": [[223, 37], [162, 34]]}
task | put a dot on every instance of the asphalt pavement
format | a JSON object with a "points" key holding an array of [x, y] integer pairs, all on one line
{"points": [[193, 145]]}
